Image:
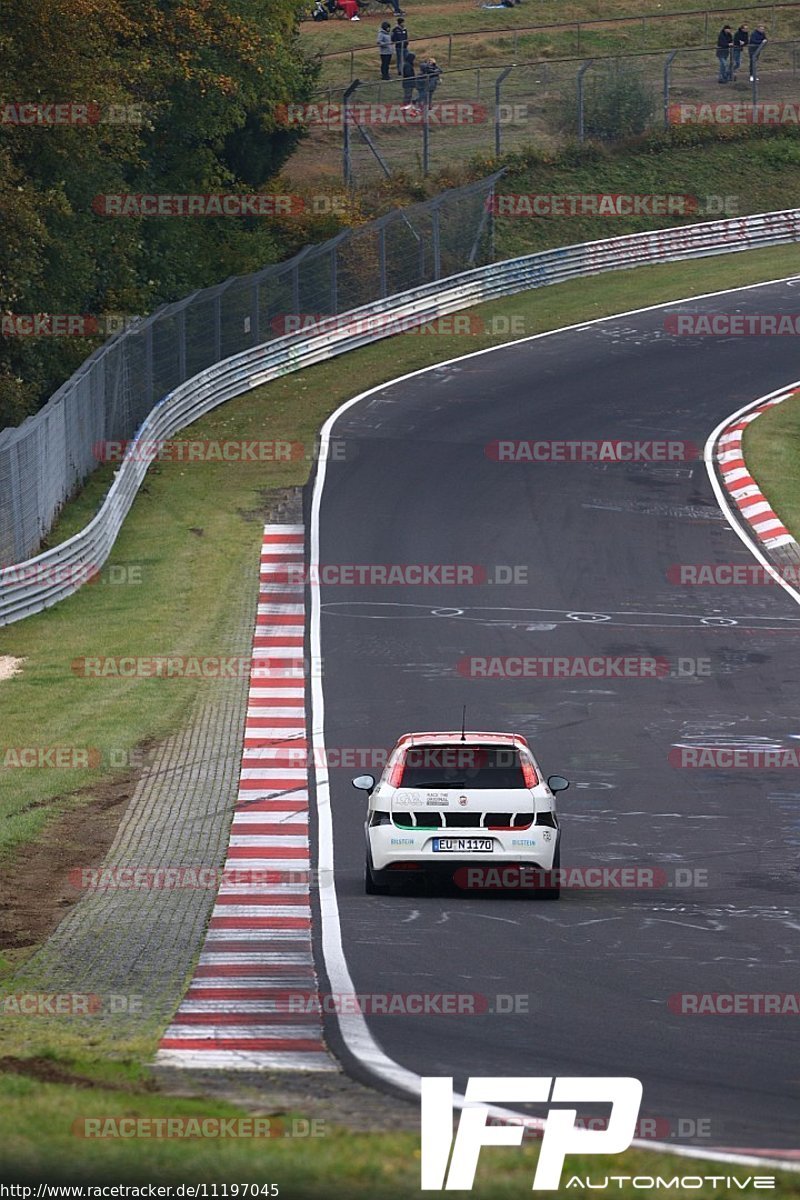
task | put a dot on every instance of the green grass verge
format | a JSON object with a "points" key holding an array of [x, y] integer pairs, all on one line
{"points": [[772, 449], [40, 1143], [699, 163], [190, 580]]}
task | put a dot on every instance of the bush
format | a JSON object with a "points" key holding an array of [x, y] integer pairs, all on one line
{"points": [[618, 103]]}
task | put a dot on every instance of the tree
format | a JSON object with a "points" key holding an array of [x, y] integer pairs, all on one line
{"points": [[182, 96]]}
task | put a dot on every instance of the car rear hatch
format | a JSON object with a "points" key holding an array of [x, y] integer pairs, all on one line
{"points": [[456, 786]]}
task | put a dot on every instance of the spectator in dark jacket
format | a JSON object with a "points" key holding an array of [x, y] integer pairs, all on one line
{"points": [[409, 77], [756, 44], [428, 77], [740, 40], [724, 43], [400, 42]]}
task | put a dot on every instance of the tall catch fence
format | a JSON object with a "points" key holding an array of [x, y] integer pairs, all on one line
{"points": [[45, 459], [480, 112]]}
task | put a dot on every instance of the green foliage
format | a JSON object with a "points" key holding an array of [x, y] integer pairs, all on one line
{"points": [[205, 78], [618, 103]]}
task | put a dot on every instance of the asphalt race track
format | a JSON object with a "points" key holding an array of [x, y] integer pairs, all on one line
{"points": [[595, 970]]}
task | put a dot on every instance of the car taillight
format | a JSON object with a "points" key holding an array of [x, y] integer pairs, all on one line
{"points": [[528, 773], [396, 773]]}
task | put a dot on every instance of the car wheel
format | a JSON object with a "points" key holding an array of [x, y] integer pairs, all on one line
{"points": [[551, 893], [370, 886]]}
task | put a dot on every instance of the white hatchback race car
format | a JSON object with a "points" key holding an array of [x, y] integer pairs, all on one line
{"points": [[470, 806]]}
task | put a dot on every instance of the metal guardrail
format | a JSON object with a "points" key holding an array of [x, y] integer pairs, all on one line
{"points": [[42, 581]]}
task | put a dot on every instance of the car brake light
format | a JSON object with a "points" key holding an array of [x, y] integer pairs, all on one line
{"points": [[396, 773], [528, 773]]}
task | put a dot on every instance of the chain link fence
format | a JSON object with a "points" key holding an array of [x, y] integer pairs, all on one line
{"points": [[46, 459], [480, 112], [496, 43]]}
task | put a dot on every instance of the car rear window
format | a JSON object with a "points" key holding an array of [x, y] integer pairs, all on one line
{"points": [[453, 766]]}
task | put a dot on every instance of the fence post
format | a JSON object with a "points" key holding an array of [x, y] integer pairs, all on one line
{"points": [[181, 323], [668, 61], [581, 72], [352, 63], [578, 37], [18, 530], [449, 48], [148, 363], [217, 307], [334, 281], [477, 83], [382, 260], [426, 131], [347, 172], [255, 316], [705, 30], [497, 85], [437, 244], [754, 65], [294, 276]]}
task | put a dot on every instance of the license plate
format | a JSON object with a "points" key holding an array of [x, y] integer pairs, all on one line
{"points": [[463, 845]]}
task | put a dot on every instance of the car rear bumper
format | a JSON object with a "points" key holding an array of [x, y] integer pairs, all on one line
{"points": [[396, 851]]}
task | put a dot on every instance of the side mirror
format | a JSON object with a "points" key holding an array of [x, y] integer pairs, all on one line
{"points": [[364, 783], [557, 783]]}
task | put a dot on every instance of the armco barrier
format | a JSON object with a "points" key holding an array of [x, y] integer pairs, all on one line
{"points": [[39, 582]]}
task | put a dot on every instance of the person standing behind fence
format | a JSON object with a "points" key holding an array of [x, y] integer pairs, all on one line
{"points": [[740, 40], [428, 80], [409, 78], [724, 43], [400, 42], [757, 39], [434, 77], [385, 48]]}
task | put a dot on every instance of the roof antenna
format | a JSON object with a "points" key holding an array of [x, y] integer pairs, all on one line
{"points": [[463, 723]]}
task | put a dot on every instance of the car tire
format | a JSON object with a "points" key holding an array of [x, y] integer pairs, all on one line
{"points": [[372, 888], [551, 893]]}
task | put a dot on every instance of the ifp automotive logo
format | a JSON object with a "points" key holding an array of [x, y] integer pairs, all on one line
{"points": [[560, 1135]]}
